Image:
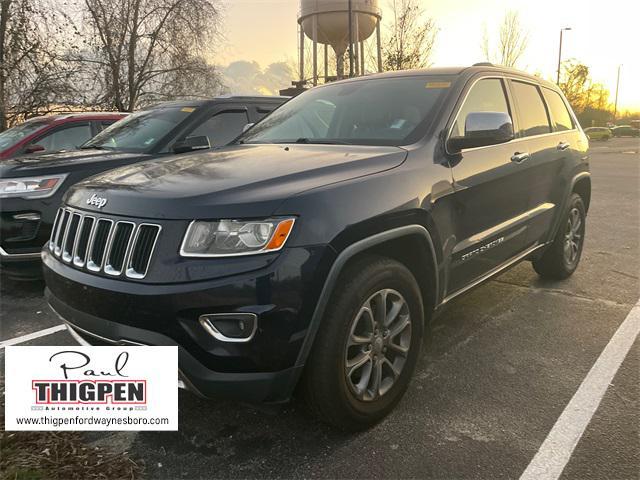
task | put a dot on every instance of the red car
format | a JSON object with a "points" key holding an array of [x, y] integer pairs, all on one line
{"points": [[54, 133]]}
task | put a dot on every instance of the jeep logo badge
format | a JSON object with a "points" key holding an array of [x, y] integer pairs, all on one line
{"points": [[97, 201]]}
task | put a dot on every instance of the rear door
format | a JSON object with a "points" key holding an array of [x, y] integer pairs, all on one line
{"points": [[491, 194], [549, 133]]}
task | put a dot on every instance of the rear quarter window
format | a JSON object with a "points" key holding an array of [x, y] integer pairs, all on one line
{"points": [[560, 116]]}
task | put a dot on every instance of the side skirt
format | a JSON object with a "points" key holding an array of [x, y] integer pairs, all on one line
{"points": [[492, 273]]}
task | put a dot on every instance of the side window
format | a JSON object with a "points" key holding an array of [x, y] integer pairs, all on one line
{"points": [[485, 96], [65, 138], [105, 123], [560, 117], [222, 127], [531, 111], [262, 112]]}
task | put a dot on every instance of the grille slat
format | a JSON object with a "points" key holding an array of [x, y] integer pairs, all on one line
{"points": [[62, 228], [102, 245], [142, 251], [118, 248], [54, 229], [70, 237], [80, 256], [99, 246]]}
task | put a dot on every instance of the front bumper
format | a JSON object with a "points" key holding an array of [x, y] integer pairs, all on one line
{"points": [[25, 226], [21, 265], [109, 311], [271, 387]]}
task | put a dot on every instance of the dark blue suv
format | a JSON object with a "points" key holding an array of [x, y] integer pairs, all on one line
{"points": [[314, 252]]}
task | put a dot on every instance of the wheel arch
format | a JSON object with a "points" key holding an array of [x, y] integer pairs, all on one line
{"points": [[391, 243], [581, 184]]}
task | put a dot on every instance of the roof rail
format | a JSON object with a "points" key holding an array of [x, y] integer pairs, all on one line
{"points": [[483, 64]]}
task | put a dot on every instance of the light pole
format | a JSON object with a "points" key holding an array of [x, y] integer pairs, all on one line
{"points": [[350, 40], [615, 107], [560, 52]]}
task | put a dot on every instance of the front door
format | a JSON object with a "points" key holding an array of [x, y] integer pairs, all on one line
{"points": [[491, 195]]}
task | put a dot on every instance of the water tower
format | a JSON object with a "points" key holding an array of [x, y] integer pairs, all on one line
{"points": [[343, 25]]}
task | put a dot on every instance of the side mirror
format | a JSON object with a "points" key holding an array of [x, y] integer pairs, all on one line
{"points": [[33, 148], [190, 144], [247, 127], [482, 129]]}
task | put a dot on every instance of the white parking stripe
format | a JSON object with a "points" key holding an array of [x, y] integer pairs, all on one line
{"points": [[556, 450], [31, 336]]}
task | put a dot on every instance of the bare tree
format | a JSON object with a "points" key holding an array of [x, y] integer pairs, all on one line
{"points": [[142, 51], [32, 80], [411, 38], [512, 42], [589, 100]]}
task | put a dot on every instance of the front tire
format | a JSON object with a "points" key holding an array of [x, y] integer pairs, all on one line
{"points": [[562, 257], [366, 350]]}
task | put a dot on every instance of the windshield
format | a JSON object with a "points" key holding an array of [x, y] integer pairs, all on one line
{"points": [[377, 111], [12, 136], [140, 131]]}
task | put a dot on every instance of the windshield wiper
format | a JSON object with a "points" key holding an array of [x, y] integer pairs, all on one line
{"points": [[92, 146], [320, 141]]}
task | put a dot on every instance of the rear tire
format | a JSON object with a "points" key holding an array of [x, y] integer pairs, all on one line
{"points": [[365, 353], [562, 257]]}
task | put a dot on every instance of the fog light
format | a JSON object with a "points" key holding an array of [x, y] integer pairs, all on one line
{"points": [[230, 327]]}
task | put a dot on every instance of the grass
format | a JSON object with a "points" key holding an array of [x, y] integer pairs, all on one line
{"points": [[59, 456]]}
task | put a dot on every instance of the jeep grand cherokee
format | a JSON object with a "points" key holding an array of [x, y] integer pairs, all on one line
{"points": [[315, 252]]}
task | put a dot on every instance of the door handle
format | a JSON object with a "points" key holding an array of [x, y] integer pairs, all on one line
{"points": [[520, 157], [563, 146]]}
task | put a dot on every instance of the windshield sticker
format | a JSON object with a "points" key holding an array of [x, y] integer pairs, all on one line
{"points": [[187, 109], [438, 85]]}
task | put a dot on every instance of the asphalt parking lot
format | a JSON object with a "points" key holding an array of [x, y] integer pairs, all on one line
{"points": [[504, 363]]}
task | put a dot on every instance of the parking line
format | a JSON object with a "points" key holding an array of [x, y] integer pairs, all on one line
{"points": [[31, 336], [556, 450]]}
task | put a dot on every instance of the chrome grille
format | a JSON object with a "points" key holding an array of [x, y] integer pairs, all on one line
{"points": [[102, 245]]}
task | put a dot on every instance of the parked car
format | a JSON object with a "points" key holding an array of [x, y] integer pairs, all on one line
{"points": [[31, 188], [54, 133], [598, 133], [315, 251], [625, 131]]}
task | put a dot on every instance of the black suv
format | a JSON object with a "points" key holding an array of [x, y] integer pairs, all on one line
{"points": [[31, 188], [315, 251]]}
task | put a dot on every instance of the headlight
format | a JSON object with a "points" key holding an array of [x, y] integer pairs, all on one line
{"points": [[32, 187], [235, 237]]}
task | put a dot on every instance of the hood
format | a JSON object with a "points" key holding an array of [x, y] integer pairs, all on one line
{"points": [[243, 181], [63, 162]]}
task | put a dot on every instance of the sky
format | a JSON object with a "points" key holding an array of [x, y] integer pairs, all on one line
{"points": [[604, 35]]}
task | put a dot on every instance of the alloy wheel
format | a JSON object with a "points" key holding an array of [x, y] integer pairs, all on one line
{"points": [[573, 236], [378, 345]]}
